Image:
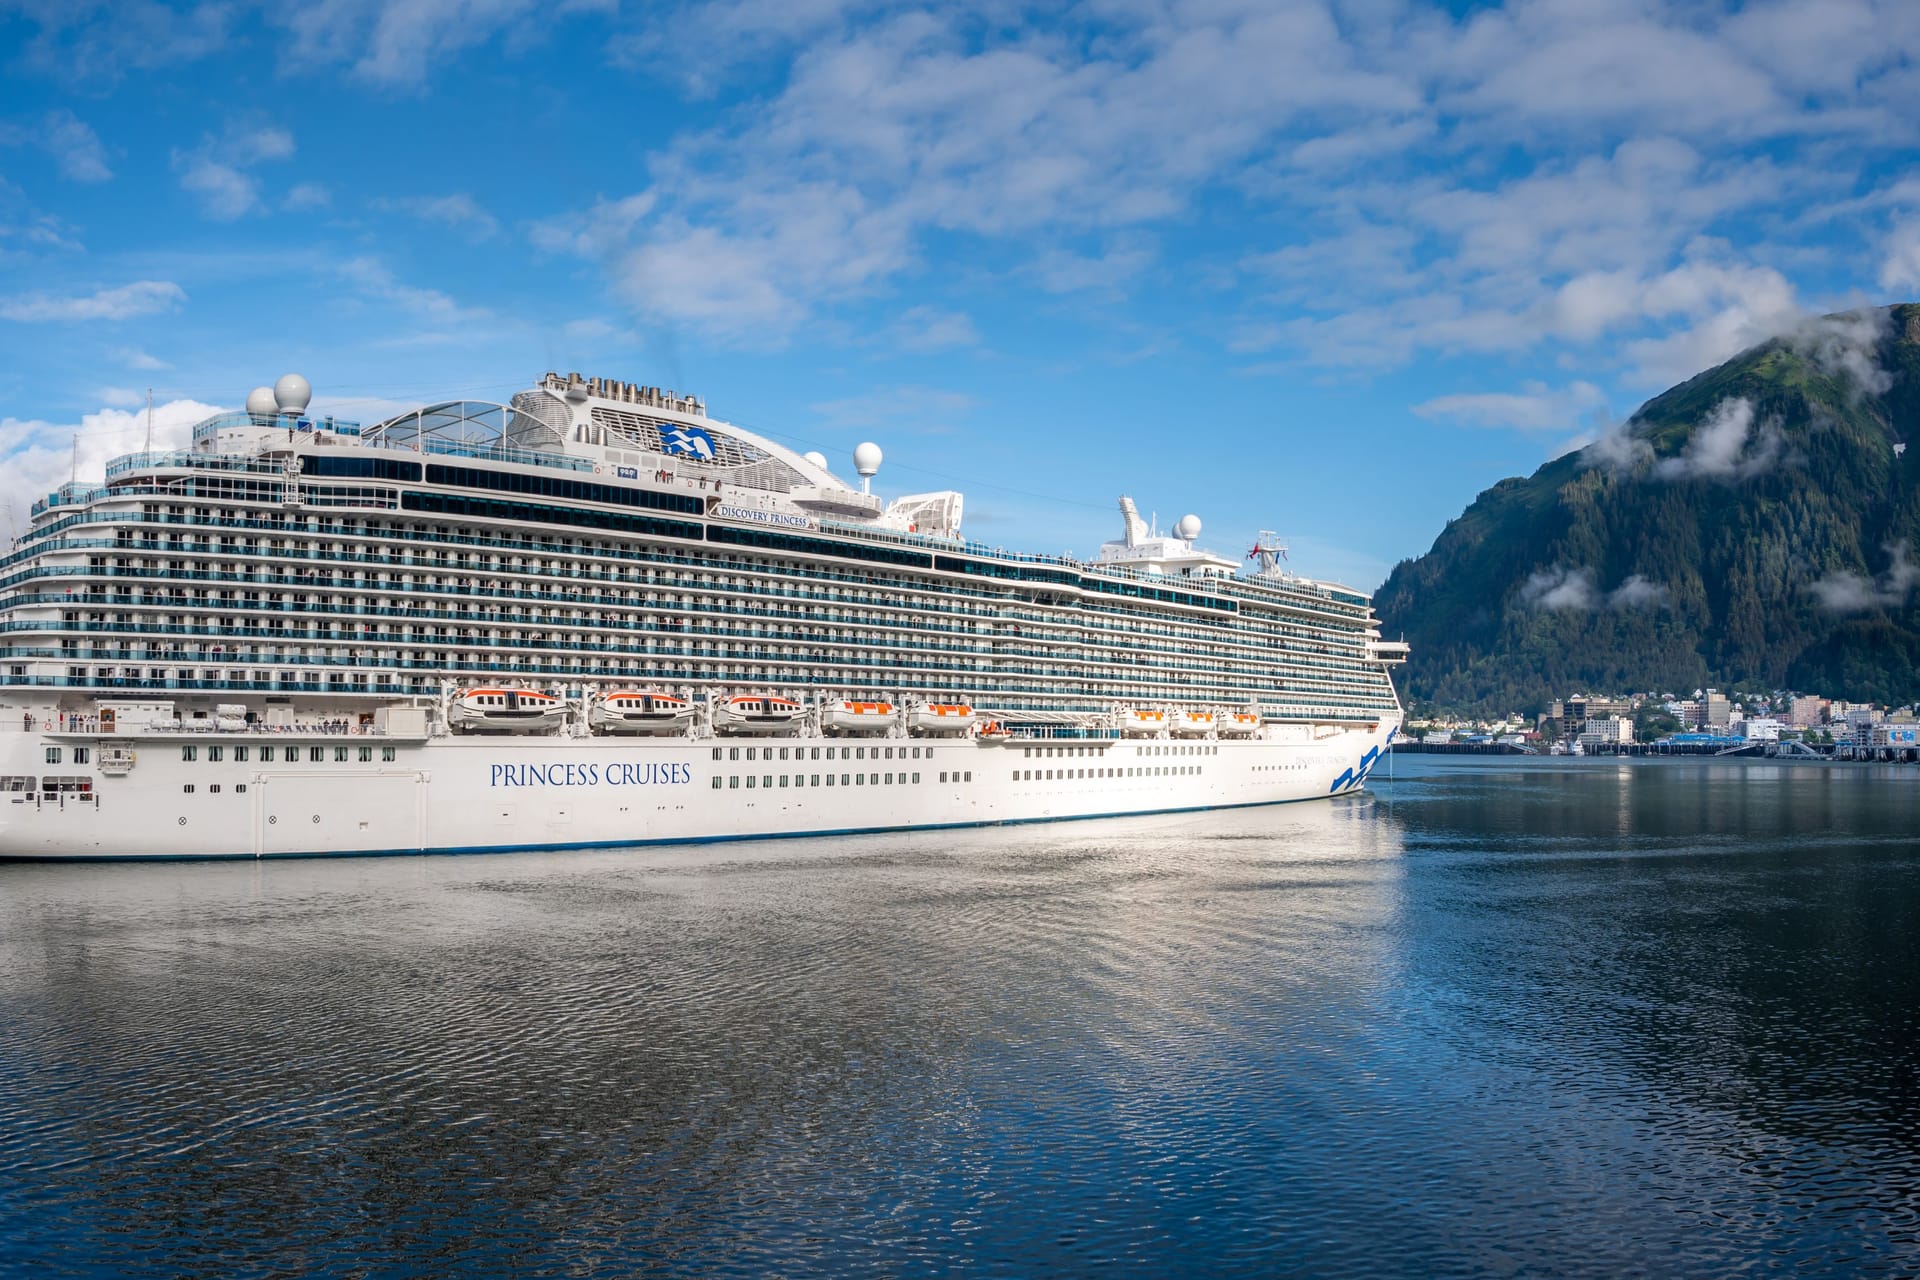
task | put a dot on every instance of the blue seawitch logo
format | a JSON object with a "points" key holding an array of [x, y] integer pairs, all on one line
{"points": [[1358, 774], [689, 442]]}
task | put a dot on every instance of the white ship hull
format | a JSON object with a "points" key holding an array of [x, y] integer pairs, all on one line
{"points": [[462, 794]]}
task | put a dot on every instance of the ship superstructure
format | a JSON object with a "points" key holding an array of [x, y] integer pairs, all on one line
{"points": [[541, 580]]}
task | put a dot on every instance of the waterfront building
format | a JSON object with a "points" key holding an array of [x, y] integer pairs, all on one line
{"points": [[1607, 730]]}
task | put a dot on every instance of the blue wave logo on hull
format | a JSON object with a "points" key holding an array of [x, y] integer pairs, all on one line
{"points": [[1357, 776], [690, 442]]}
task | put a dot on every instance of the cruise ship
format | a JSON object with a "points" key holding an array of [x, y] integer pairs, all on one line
{"points": [[599, 616]]}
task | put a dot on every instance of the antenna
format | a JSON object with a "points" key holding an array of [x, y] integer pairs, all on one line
{"points": [[149, 419], [73, 460]]}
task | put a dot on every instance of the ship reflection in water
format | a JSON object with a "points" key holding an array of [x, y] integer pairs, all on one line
{"points": [[1496, 1017]]}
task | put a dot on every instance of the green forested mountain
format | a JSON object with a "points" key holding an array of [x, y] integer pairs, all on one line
{"points": [[1754, 525]]}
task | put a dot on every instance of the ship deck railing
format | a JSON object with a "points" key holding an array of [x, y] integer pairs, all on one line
{"points": [[454, 565]]}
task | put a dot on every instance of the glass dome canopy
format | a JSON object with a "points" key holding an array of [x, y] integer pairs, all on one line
{"points": [[466, 424]]}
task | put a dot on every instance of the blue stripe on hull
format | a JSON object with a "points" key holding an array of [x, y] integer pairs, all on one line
{"points": [[641, 844]]}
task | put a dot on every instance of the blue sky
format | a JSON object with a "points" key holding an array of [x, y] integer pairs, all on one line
{"points": [[1323, 268]]}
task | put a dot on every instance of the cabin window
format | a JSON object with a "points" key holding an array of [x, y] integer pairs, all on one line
{"points": [[734, 782], [816, 779], [81, 755], [733, 753], [214, 789], [239, 788], [366, 755], [316, 754], [386, 754], [752, 782], [187, 788], [916, 778], [716, 753], [240, 755], [969, 777], [859, 779], [783, 753], [187, 753], [816, 753], [53, 755], [215, 754], [16, 782], [943, 775], [889, 779], [783, 779]]}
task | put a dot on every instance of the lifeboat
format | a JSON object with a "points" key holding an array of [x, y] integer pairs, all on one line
{"points": [[994, 732], [756, 713], [641, 713], [505, 711], [856, 717], [1239, 725], [1192, 724], [1141, 722], [941, 719]]}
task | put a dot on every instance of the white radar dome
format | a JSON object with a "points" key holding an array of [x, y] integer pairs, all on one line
{"points": [[1188, 529], [260, 402], [293, 393], [817, 458], [866, 458]]}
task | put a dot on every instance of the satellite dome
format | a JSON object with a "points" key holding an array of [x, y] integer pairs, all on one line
{"points": [[261, 404], [292, 393], [866, 458], [1188, 529], [817, 458]]}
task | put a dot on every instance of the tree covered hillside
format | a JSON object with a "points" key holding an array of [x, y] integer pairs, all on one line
{"points": [[1754, 524]]}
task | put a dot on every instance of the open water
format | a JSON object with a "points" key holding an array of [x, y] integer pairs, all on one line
{"points": [[1496, 1018]]}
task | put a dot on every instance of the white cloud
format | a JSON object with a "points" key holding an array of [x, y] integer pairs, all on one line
{"points": [[1560, 590], [305, 196], [400, 43], [1639, 593], [1900, 269], [1726, 446], [1563, 590], [1617, 447], [217, 173], [41, 456], [142, 297], [134, 358], [1846, 347], [1848, 592], [74, 146], [932, 329], [458, 211], [920, 410], [1537, 407], [375, 280]]}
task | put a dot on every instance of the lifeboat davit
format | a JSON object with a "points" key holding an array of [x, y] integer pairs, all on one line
{"points": [[1239, 725], [756, 713], [856, 717], [941, 719], [641, 713], [505, 711], [1142, 722], [1192, 724]]}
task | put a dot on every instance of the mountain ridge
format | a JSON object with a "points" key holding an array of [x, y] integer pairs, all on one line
{"points": [[1752, 525]]}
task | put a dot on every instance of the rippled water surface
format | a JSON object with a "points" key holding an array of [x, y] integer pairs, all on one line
{"points": [[1568, 1017]]}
